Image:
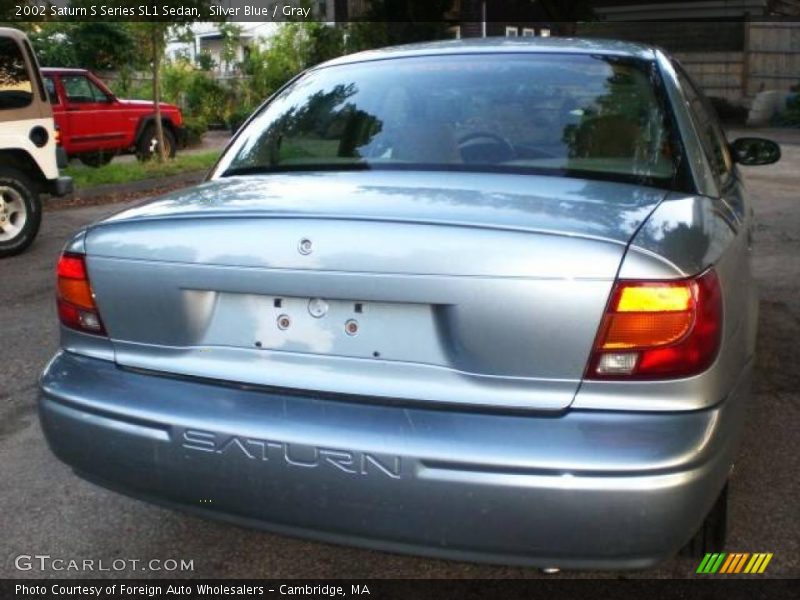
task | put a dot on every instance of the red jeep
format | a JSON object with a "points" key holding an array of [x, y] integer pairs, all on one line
{"points": [[95, 125]]}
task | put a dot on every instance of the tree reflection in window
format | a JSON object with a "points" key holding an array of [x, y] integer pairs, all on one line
{"points": [[15, 84], [325, 128], [624, 122]]}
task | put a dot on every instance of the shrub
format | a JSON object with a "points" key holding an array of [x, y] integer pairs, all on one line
{"points": [[295, 47], [127, 85], [195, 128], [207, 99], [790, 116], [205, 61], [176, 78], [204, 100], [238, 116]]}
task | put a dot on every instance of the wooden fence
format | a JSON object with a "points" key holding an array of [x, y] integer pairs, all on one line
{"points": [[733, 60], [771, 57]]}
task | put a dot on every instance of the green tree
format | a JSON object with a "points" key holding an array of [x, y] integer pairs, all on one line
{"points": [[324, 43], [204, 60], [97, 46], [566, 13], [152, 37], [295, 47], [53, 44], [103, 46], [231, 38]]}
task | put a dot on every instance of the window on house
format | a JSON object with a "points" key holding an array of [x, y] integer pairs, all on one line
{"points": [[528, 32], [512, 31], [545, 32]]}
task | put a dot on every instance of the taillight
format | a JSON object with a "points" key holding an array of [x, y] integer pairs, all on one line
{"points": [[659, 329], [76, 306]]}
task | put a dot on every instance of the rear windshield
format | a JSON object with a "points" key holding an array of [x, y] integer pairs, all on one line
{"points": [[575, 115], [15, 84]]}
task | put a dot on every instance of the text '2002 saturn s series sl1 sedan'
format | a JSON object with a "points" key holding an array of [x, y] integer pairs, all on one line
{"points": [[486, 300]]}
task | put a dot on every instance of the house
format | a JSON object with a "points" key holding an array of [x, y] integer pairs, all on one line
{"points": [[476, 18], [209, 39], [734, 49]]}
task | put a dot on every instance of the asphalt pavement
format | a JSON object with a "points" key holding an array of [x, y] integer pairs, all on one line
{"points": [[46, 510]]}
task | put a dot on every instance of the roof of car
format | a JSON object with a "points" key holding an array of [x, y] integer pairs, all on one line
{"points": [[51, 70], [504, 45], [11, 33]]}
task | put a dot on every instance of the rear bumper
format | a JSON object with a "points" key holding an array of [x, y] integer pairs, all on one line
{"points": [[60, 186], [62, 160], [584, 489]]}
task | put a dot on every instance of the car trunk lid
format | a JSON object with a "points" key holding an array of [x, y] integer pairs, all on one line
{"points": [[477, 290]]}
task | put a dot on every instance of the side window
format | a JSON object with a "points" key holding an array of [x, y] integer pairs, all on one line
{"points": [[98, 94], [77, 89], [708, 128], [50, 86], [80, 90], [16, 90]]}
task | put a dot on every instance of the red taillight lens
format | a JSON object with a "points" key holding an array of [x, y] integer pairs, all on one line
{"points": [[76, 306], [659, 329]]}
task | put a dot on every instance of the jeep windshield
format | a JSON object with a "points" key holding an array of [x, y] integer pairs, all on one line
{"points": [[16, 90], [589, 116]]}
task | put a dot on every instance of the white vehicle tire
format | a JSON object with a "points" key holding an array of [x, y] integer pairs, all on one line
{"points": [[20, 211]]}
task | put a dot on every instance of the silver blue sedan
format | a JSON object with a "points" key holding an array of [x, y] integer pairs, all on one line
{"points": [[483, 300]]}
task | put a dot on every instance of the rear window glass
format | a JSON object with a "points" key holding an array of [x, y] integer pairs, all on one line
{"points": [[575, 115], [15, 84]]}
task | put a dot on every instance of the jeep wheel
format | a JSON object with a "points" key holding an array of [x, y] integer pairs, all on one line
{"points": [[712, 534], [96, 159], [20, 212], [147, 146]]}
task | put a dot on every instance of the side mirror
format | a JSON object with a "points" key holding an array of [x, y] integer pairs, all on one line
{"points": [[752, 151]]}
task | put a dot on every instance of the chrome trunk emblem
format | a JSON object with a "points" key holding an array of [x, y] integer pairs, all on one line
{"points": [[305, 246]]}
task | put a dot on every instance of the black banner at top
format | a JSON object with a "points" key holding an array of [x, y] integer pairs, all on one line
{"points": [[342, 11]]}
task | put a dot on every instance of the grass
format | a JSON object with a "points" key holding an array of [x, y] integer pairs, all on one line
{"points": [[125, 172]]}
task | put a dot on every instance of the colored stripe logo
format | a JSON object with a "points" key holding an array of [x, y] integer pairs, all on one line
{"points": [[735, 562]]}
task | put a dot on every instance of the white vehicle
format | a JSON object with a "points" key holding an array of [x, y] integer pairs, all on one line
{"points": [[29, 151]]}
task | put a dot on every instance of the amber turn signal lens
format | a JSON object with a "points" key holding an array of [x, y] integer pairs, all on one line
{"points": [[76, 291], [655, 298], [641, 330], [659, 329], [76, 305]]}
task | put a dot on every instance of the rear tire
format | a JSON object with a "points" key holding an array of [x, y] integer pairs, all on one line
{"points": [[712, 534], [147, 146], [20, 211]]}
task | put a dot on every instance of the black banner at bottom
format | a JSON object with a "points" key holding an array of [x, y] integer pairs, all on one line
{"points": [[186, 589]]}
